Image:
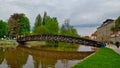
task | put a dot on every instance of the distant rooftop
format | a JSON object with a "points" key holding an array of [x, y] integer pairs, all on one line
{"points": [[107, 21]]}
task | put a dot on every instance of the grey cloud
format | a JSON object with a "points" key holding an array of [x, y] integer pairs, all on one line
{"points": [[87, 25], [83, 13], [93, 10]]}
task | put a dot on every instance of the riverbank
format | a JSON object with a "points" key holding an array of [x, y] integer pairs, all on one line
{"points": [[103, 58], [8, 43], [113, 47]]}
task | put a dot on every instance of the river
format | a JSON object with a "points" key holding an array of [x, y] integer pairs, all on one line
{"points": [[25, 57]]}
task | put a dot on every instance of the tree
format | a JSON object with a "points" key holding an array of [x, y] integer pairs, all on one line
{"points": [[38, 25], [46, 26], [67, 29], [74, 32], [13, 25], [38, 21], [44, 18], [18, 24], [113, 28], [3, 29], [117, 23], [24, 24], [52, 25], [116, 27], [40, 30]]}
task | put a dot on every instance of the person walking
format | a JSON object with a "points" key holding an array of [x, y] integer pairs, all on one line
{"points": [[117, 44], [102, 44]]}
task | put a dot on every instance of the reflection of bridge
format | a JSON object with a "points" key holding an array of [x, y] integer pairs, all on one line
{"points": [[60, 38], [55, 54]]}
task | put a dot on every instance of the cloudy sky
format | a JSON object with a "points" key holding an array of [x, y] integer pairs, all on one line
{"points": [[85, 15]]}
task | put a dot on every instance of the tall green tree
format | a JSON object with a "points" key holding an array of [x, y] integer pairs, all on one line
{"points": [[44, 18], [24, 24], [3, 29], [49, 25], [38, 28], [52, 25], [38, 21]]}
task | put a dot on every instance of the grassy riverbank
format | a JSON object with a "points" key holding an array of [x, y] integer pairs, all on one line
{"points": [[8, 43], [103, 58]]}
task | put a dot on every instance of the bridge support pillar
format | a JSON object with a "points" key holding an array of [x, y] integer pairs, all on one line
{"points": [[56, 44], [21, 43]]}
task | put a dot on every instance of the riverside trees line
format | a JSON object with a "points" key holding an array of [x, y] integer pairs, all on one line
{"points": [[18, 24]]}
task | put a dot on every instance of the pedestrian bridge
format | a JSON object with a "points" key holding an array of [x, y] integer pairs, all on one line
{"points": [[59, 38]]}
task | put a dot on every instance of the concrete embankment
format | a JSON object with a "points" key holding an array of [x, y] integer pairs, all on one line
{"points": [[113, 47]]}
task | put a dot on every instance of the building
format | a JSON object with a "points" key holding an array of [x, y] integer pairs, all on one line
{"points": [[104, 31], [94, 35], [115, 36]]}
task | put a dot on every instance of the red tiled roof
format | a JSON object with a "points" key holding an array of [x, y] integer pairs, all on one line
{"points": [[94, 34]]}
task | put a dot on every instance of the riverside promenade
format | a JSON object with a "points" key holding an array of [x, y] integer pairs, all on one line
{"points": [[113, 47]]}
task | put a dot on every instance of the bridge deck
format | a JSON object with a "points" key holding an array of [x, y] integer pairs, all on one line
{"points": [[60, 38]]}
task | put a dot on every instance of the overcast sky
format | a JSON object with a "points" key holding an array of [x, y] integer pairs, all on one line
{"points": [[85, 15]]}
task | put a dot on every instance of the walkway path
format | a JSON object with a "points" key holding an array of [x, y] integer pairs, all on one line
{"points": [[114, 48]]}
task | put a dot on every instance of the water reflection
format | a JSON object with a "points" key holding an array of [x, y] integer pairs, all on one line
{"points": [[15, 58], [2, 55], [85, 48], [23, 57]]}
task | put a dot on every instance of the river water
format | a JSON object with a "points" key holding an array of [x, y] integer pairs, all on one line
{"points": [[24, 57]]}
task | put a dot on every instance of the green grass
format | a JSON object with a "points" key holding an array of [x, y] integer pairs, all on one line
{"points": [[7, 43], [103, 58]]}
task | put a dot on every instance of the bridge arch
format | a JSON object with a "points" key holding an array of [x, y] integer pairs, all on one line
{"points": [[60, 38]]}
